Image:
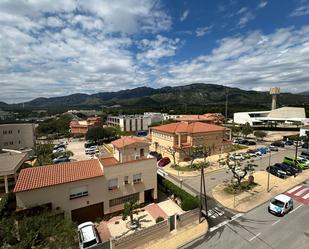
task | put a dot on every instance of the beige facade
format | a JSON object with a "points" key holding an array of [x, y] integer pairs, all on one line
{"points": [[131, 152], [112, 189], [182, 143], [17, 136]]}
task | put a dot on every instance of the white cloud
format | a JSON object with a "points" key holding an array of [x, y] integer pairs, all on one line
{"points": [[184, 15], [262, 4], [252, 61], [247, 17], [201, 31], [301, 11], [242, 10]]}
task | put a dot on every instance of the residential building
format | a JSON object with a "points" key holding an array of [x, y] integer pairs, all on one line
{"points": [[17, 136], [282, 116], [129, 123], [155, 117], [10, 163], [182, 137], [86, 190], [81, 127], [4, 115]]}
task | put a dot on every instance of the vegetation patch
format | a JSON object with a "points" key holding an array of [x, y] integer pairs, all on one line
{"points": [[191, 167], [244, 186], [238, 147]]}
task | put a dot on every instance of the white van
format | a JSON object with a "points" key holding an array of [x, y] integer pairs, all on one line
{"points": [[280, 205], [87, 235]]}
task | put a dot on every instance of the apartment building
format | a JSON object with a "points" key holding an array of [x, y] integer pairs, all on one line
{"points": [[129, 123], [17, 136], [86, 190], [81, 127], [184, 136]]}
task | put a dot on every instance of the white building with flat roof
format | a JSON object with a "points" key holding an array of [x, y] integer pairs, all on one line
{"points": [[287, 115], [129, 123]]}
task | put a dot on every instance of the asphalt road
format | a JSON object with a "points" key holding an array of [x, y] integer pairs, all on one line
{"points": [[260, 229]]}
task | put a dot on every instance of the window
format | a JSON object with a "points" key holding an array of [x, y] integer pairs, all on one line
{"points": [[78, 192], [18, 131], [113, 184], [4, 132], [126, 180], [123, 199], [137, 178], [19, 142], [11, 142], [10, 131], [141, 152]]}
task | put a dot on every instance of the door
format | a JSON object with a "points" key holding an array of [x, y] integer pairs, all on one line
{"points": [[148, 196], [172, 222], [89, 213]]}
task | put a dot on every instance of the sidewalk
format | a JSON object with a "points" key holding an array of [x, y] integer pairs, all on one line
{"points": [[248, 200], [180, 237]]}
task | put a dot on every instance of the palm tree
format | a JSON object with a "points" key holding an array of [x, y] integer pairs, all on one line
{"points": [[130, 208]]}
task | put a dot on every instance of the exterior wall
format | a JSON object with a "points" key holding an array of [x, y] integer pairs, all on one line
{"points": [[78, 130], [130, 153], [214, 140], [138, 123], [16, 136], [59, 195], [302, 131]]}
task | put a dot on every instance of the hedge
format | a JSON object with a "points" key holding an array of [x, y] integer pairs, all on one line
{"points": [[188, 202]]}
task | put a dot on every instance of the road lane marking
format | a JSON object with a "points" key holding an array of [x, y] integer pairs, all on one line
{"points": [[275, 222], [255, 237], [306, 196], [236, 216], [294, 189], [296, 208], [299, 193]]}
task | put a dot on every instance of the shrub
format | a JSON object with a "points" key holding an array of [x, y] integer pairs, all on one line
{"points": [[7, 204], [159, 219], [188, 202]]}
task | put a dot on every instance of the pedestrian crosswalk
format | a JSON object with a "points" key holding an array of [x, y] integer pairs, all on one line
{"points": [[215, 212], [299, 193]]}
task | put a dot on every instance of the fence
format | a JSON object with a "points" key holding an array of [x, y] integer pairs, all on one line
{"points": [[141, 237]]}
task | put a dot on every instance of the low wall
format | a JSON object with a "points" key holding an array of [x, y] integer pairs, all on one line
{"points": [[187, 218], [142, 237]]}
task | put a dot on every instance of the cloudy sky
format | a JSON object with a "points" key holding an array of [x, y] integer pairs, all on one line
{"points": [[53, 48]]}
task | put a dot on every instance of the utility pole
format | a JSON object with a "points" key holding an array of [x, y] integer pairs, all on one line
{"points": [[203, 197], [296, 149], [268, 175]]}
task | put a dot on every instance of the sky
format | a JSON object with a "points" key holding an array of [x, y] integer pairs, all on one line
{"points": [[53, 48]]}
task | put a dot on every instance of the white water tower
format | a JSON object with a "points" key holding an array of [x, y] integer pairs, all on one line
{"points": [[274, 92]]}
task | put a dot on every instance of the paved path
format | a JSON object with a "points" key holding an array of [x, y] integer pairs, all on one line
{"points": [[260, 229]]}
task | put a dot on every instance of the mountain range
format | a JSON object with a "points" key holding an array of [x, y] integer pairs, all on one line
{"points": [[147, 97]]}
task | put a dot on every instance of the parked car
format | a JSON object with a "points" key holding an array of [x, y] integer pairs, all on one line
{"points": [[237, 157], [262, 150], [305, 154], [57, 146], [59, 150], [289, 171], [276, 171], [297, 162], [297, 170], [252, 153], [155, 154], [280, 205], [303, 159], [246, 155], [164, 161], [91, 150], [61, 159], [89, 144], [305, 145], [278, 144], [250, 142], [273, 148], [289, 142], [87, 235]]}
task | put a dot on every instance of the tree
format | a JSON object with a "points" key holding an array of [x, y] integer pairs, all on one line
{"points": [[235, 130], [246, 129], [130, 208], [96, 133], [195, 152], [171, 151], [260, 134], [43, 152], [238, 170]]}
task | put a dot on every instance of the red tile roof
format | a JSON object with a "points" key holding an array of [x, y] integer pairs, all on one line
{"points": [[109, 161], [185, 127], [50, 175], [125, 141]]}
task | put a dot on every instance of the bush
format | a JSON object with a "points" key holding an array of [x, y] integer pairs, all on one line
{"points": [[159, 219], [7, 204], [188, 202]]}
